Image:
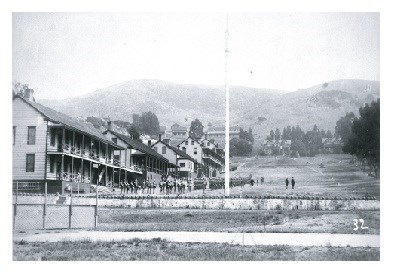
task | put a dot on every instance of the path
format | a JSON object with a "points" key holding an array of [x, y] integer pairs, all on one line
{"points": [[292, 239]]}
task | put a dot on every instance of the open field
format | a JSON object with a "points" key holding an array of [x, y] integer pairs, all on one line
{"points": [[337, 177], [237, 221], [162, 250]]}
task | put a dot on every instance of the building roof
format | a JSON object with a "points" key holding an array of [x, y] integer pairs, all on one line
{"points": [[138, 145], [177, 127], [189, 137], [179, 152], [70, 122]]}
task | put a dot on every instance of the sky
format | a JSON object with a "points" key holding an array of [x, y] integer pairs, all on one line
{"points": [[62, 55]]}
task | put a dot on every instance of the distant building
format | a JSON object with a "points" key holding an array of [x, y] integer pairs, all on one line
{"points": [[178, 130], [332, 145], [277, 147], [211, 162], [180, 163], [217, 133]]}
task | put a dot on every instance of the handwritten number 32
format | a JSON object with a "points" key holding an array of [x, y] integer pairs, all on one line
{"points": [[362, 223]]}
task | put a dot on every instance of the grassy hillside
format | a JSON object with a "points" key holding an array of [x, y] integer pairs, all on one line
{"points": [[322, 104]]}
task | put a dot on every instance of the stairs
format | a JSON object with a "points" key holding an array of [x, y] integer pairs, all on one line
{"points": [[62, 200], [100, 189]]}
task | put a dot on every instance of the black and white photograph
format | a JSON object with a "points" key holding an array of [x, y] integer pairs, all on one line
{"points": [[195, 136]]}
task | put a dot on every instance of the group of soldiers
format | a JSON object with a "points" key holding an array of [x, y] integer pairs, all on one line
{"points": [[167, 185], [173, 186], [136, 187]]}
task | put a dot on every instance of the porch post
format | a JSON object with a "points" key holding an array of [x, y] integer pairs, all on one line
{"points": [[105, 179], [74, 141], [63, 137], [83, 145], [113, 176]]}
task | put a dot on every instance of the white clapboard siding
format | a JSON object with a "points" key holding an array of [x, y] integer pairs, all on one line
{"points": [[23, 116]]}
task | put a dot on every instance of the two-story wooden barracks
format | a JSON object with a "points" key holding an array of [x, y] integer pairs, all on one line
{"points": [[49, 146]]}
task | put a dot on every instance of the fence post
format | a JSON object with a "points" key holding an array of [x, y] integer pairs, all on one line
{"points": [[97, 200], [71, 204], [15, 205], [45, 205]]}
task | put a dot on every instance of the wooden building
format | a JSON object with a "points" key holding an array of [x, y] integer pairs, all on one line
{"points": [[137, 160], [50, 146]]}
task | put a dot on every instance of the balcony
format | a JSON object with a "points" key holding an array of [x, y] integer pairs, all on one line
{"points": [[136, 168], [66, 176]]}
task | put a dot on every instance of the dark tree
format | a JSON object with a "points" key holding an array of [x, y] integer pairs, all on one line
{"points": [[364, 141], [271, 136], [277, 134], [298, 148], [343, 127], [133, 132], [147, 123], [240, 147], [196, 130]]}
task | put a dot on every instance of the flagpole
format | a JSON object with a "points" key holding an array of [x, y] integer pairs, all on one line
{"points": [[227, 192]]}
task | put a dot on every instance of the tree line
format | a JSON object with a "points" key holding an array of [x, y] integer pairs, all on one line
{"points": [[361, 136], [302, 143]]}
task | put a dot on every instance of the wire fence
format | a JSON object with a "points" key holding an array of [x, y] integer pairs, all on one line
{"points": [[49, 211]]}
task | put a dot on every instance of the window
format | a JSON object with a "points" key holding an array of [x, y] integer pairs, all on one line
{"points": [[31, 135], [13, 134], [149, 143], [53, 137], [163, 150], [30, 159], [115, 140], [51, 166], [184, 149], [186, 142], [192, 142], [182, 164], [195, 151]]}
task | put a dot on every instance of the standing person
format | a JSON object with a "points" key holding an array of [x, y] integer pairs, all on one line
{"points": [[153, 187], [135, 186], [286, 183], [121, 186], [293, 183], [127, 186]]}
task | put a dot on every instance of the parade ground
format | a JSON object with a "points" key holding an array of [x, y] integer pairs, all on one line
{"points": [[322, 175]]}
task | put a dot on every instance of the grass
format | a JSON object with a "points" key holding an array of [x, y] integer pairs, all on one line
{"points": [[236, 220], [161, 250], [337, 178]]}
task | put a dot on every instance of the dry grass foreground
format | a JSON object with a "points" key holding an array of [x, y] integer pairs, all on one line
{"points": [[237, 220], [161, 250]]}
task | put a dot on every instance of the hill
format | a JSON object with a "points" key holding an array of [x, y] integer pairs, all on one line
{"points": [[322, 104], [171, 102], [261, 109]]}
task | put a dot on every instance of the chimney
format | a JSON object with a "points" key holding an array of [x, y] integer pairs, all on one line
{"points": [[29, 94], [160, 137], [109, 126]]}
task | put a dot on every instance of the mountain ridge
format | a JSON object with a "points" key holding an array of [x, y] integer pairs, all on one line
{"points": [[261, 109]]}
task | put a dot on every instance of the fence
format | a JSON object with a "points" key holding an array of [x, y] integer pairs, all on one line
{"points": [[53, 213]]}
